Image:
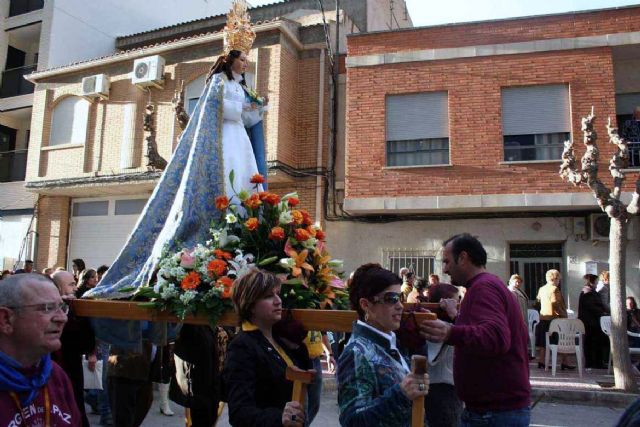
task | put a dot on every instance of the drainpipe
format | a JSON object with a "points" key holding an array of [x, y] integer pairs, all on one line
{"points": [[320, 136]]}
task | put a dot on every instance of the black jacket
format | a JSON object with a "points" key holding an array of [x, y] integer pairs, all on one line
{"points": [[590, 308], [254, 380]]}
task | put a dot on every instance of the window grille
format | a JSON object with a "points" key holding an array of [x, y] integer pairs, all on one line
{"points": [[421, 262]]}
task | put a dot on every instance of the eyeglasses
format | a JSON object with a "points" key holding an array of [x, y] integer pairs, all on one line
{"points": [[46, 308], [389, 298]]}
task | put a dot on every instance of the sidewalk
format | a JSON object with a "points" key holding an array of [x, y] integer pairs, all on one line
{"points": [[595, 387]]}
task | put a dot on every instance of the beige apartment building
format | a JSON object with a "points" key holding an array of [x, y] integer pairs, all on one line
{"points": [[88, 159]]}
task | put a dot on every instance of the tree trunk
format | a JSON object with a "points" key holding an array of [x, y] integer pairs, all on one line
{"points": [[622, 372]]}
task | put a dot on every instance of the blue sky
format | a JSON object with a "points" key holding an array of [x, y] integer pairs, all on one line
{"points": [[433, 12]]}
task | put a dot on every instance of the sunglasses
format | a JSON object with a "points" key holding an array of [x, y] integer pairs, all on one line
{"points": [[389, 298]]}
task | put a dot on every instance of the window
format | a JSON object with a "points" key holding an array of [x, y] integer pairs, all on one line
{"points": [[69, 122], [100, 208], [535, 122], [417, 129], [532, 261], [192, 93], [629, 128], [130, 206], [421, 262]]}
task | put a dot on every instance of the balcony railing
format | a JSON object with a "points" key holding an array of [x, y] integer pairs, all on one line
{"points": [[13, 165], [14, 83], [18, 7]]}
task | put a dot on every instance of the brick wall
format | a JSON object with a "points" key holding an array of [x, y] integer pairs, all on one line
{"points": [[53, 231], [475, 123], [506, 31]]}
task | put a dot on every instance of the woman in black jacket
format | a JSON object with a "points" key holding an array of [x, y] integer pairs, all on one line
{"points": [[590, 309], [254, 373]]}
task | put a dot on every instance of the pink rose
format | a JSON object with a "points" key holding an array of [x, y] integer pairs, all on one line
{"points": [[187, 259]]}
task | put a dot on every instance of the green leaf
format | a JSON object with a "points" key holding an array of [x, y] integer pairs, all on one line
{"points": [[294, 281], [232, 176], [268, 261], [148, 304], [125, 290]]}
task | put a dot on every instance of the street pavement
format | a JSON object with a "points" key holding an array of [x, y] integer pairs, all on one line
{"points": [[544, 415]]}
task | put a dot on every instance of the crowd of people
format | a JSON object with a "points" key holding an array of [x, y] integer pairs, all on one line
{"points": [[43, 344]]}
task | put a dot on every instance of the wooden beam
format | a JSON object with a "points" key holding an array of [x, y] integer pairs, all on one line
{"points": [[313, 320]]}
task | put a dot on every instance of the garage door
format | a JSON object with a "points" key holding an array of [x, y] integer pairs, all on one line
{"points": [[100, 228]]}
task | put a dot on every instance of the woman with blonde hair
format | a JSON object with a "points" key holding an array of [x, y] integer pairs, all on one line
{"points": [[254, 372], [552, 306]]}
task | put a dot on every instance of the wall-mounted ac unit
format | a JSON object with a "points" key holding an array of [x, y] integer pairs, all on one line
{"points": [[148, 71], [96, 86], [600, 225]]}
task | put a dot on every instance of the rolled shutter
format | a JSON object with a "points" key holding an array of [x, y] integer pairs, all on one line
{"points": [[536, 110], [417, 116]]}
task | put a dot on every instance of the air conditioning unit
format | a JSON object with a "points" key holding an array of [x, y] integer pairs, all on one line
{"points": [[148, 71], [96, 86], [600, 225]]}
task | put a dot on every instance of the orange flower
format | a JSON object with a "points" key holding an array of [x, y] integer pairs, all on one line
{"points": [[222, 202], [300, 260], [293, 201], [263, 195], [253, 201], [191, 281], [225, 281], [301, 234], [277, 233], [272, 199], [220, 254], [320, 234], [312, 231], [306, 218], [251, 224], [297, 216], [257, 179], [217, 267], [226, 292]]}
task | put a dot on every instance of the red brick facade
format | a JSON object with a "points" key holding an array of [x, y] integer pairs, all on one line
{"points": [[474, 103]]}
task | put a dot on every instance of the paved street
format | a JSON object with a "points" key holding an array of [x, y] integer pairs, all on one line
{"points": [[544, 415]]}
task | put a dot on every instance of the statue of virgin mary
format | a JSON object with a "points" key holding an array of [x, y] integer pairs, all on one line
{"points": [[214, 143]]}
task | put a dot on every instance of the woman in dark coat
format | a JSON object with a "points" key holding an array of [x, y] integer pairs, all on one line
{"points": [[590, 309], [258, 393]]}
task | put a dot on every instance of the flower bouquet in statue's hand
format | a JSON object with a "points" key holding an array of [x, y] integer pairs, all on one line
{"points": [[250, 230]]}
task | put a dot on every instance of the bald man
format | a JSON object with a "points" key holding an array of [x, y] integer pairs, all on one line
{"points": [[33, 389], [77, 339]]}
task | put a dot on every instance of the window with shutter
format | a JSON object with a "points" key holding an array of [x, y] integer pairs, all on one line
{"points": [[536, 121], [417, 128], [69, 121]]}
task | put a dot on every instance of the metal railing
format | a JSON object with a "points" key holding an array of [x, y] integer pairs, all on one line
{"points": [[18, 7], [14, 83], [634, 154], [13, 165]]}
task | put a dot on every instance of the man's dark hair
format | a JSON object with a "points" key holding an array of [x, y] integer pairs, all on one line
{"points": [[465, 242], [28, 261], [102, 269], [592, 278]]}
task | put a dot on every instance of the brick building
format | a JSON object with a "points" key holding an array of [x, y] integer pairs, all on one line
{"points": [[87, 159], [458, 128]]}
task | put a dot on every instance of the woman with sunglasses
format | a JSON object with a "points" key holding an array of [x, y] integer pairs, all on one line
{"points": [[375, 386]]}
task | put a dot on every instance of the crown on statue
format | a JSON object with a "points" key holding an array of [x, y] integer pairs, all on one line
{"points": [[238, 33]]}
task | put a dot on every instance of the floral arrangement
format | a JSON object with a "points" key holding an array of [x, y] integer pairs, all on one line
{"points": [[253, 96], [251, 229]]}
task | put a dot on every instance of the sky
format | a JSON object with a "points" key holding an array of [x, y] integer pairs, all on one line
{"points": [[434, 12]]}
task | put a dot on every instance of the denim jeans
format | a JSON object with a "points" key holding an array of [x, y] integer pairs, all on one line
{"points": [[256, 135], [515, 418]]}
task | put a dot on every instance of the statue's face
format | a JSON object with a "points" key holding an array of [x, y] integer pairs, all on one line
{"points": [[239, 65]]}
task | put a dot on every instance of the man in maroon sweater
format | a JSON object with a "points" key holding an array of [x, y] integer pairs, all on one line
{"points": [[34, 391], [491, 366]]}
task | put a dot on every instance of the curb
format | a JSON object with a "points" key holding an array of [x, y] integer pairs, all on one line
{"points": [[613, 399], [583, 397]]}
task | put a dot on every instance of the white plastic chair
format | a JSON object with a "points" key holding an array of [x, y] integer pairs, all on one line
{"points": [[605, 325], [534, 319], [570, 341]]}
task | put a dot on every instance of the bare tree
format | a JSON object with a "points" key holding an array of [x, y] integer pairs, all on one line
{"points": [[619, 214]]}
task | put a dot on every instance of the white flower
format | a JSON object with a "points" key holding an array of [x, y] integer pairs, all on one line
{"points": [[336, 264], [241, 264], [169, 292], [285, 218], [287, 263], [156, 288], [180, 273], [310, 243], [187, 297], [231, 219], [243, 195]]}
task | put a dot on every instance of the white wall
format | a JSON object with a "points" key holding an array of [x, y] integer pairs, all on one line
{"points": [[13, 229], [357, 243], [83, 29]]}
